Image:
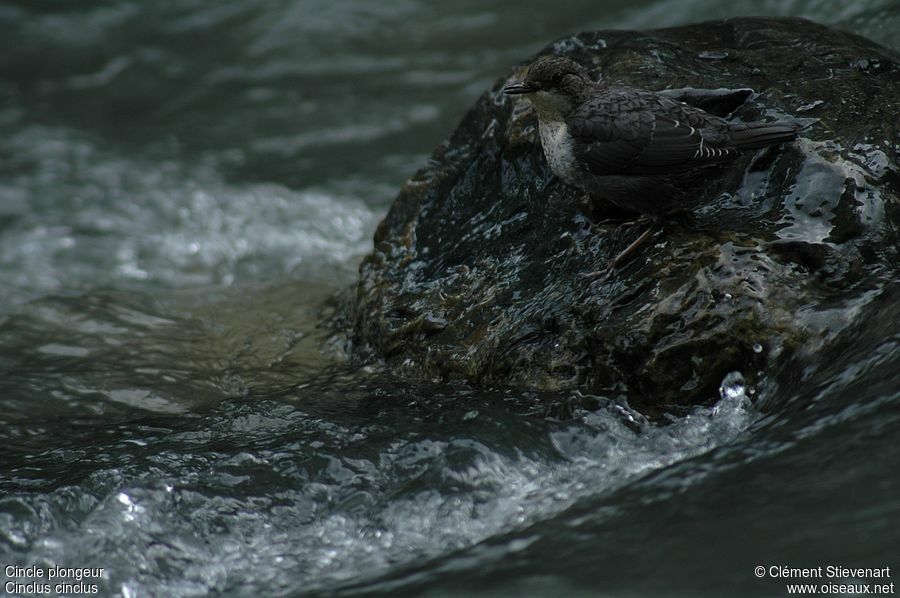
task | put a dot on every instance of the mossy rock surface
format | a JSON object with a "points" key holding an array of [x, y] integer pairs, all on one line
{"points": [[477, 270]]}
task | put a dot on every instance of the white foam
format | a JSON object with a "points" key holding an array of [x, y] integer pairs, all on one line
{"points": [[356, 514], [85, 216]]}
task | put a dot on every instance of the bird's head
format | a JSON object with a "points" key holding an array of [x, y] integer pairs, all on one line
{"points": [[553, 85]]}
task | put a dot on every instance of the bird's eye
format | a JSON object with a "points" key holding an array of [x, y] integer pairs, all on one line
{"points": [[556, 79]]}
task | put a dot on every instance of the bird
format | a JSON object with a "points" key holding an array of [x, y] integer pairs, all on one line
{"points": [[637, 149]]}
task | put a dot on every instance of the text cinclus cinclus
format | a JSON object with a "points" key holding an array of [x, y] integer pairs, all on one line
{"points": [[636, 149]]}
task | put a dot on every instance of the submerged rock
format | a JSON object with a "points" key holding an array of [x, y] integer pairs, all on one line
{"points": [[477, 269]]}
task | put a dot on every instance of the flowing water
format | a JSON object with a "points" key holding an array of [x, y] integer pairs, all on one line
{"points": [[184, 184]]}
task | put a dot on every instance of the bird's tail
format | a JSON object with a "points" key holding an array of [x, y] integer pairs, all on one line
{"points": [[758, 135]]}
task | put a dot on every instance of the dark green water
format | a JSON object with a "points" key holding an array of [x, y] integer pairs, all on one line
{"points": [[184, 183]]}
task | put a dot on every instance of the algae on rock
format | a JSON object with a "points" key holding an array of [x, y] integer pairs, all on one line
{"points": [[476, 273]]}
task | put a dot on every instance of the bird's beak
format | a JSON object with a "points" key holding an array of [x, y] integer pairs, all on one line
{"points": [[518, 88]]}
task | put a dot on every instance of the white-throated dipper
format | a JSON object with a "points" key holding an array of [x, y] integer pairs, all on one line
{"points": [[633, 148]]}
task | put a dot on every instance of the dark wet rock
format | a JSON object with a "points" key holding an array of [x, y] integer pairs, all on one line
{"points": [[477, 269]]}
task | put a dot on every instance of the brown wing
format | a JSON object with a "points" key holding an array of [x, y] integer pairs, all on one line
{"points": [[637, 133]]}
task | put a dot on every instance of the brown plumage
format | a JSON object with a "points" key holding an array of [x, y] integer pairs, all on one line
{"points": [[634, 148], [640, 150]]}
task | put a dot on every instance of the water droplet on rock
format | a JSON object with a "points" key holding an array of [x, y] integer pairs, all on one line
{"points": [[733, 386], [712, 55]]}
